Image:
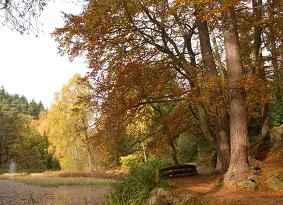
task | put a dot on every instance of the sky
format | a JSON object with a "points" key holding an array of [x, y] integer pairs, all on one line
{"points": [[30, 65]]}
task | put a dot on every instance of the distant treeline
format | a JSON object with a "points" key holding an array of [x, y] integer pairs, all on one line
{"points": [[19, 138]]}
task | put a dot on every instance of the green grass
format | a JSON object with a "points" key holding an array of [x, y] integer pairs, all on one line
{"points": [[58, 181]]}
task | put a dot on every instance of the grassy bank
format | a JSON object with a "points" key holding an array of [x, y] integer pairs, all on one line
{"points": [[110, 174], [59, 181], [56, 178]]}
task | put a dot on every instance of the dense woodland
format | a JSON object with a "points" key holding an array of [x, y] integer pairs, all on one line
{"points": [[20, 139], [189, 81]]}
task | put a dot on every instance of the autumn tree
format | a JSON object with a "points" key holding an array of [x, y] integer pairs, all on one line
{"points": [[68, 127], [238, 113], [170, 122], [217, 96], [133, 110], [160, 34], [152, 53]]}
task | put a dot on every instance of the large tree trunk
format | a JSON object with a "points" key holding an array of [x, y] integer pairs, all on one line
{"points": [[238, 113], [221, 119], [222, 142]]}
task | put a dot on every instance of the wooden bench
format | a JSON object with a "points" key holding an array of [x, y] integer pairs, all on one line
{"points": [[179, 170]]}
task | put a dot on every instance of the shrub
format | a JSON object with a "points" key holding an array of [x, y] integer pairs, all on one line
{"points": [[135, 188], [187, 149], [2, 171], [130, 161], [277, 114]]}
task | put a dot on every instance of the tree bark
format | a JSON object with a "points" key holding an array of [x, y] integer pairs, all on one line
{"points": [[238, 113], [221, 119], [87, 143], [265, 120], [144, 152], [173, 151], [277, 78], [217, 56], [204, 124], [257, 12]]}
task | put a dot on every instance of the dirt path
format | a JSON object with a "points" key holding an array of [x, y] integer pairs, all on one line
{"points": [[16, 193], [203, 187]]}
